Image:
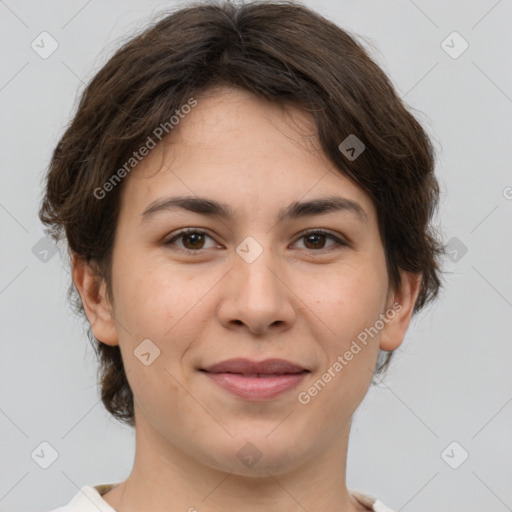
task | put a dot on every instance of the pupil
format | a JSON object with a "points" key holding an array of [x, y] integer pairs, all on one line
{"points": [[195, 238], [316, 238]]}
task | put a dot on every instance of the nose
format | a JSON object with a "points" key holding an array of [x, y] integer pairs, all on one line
{"points": [[256, 296]]}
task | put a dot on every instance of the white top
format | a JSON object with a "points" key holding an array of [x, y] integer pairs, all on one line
{"points": [[89, 499]]}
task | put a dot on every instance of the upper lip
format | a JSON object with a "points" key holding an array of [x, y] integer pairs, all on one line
{"points": [[246, 366]]}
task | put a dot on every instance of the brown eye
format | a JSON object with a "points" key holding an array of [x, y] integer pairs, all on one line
{"points": [[192, 240], [316, 240]]}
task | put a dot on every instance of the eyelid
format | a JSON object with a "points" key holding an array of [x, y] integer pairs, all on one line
{"points": [[339, 240], [186, 231]]}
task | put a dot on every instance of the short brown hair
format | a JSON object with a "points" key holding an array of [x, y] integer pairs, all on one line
{"points": [[281, 51]]}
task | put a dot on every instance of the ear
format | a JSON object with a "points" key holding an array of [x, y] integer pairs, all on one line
{"points": [[92, 290], [401, 303]]}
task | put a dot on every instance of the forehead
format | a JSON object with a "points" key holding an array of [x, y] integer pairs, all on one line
{"points": [[244, 151]]}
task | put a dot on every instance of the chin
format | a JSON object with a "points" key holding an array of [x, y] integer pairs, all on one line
{"points": [[257, 458]]}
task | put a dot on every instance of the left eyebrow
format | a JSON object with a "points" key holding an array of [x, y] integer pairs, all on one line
{"points": [[322, 206], [212, 208]]}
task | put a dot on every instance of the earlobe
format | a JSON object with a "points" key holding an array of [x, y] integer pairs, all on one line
{"points": [[92, 290], [400, 311]]}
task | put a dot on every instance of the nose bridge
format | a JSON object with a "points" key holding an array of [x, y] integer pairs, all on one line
{"points": [[255, 266], [256, 295]]}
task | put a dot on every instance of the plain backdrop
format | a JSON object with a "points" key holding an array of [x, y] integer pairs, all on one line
{"points": [[448, 394]]}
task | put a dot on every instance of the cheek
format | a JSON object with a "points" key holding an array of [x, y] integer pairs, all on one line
{"points": [[161, 302], [351, 305], [353, 300], [157, 305]]}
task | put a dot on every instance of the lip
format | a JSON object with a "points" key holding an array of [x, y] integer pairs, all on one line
{"points": [[246, 366], [254, 380]]}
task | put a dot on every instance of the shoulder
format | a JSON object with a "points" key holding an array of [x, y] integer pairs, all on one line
{"points": [[370, 502], [88, 499]]}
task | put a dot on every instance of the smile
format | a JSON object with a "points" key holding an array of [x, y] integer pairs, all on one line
{"points": [[257, 387]]}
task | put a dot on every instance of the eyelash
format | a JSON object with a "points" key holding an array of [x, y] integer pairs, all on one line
{"points": [[338, 242]]}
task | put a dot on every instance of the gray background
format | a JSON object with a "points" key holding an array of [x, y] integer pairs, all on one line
{"points": [[450, 380]]}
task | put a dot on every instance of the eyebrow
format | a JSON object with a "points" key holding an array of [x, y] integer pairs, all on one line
{"points": [[212, 208]]}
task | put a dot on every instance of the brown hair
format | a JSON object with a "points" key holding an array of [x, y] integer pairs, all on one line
{"points": [[281, 51]]}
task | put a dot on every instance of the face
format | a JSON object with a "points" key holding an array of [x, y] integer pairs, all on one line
{"points": [[270, 279]]}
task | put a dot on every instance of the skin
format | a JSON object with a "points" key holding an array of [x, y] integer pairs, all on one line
{"points": [[302, 299]]}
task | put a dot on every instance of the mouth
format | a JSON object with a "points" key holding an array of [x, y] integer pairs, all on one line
{"points": [[256, 381]]}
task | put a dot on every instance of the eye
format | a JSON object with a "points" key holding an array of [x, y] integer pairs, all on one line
{"points": [[315, 240], [193, 240]]}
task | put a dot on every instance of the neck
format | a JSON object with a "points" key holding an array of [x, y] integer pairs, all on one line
{"points": [[163, 477]]}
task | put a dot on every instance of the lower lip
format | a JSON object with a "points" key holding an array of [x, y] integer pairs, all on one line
{"points": [[256, 388]]}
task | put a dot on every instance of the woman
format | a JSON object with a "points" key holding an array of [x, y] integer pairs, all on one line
{"points": [[247, 205]]}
